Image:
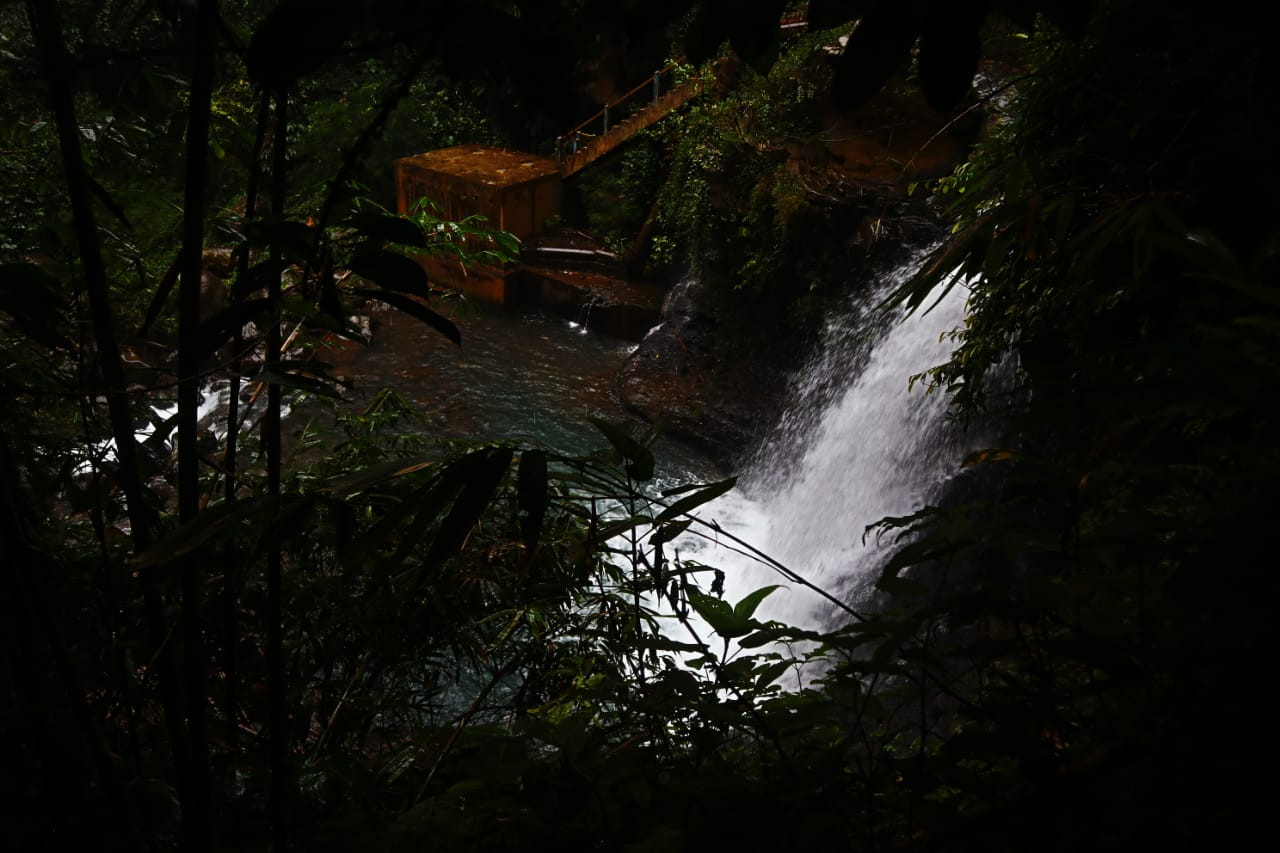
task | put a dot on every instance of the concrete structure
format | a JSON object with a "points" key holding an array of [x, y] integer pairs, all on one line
{"points": [[516, 192]]}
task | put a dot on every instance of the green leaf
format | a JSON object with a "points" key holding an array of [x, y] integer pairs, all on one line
{"points": [[879, 46], [423, 505], [308, 376], [669, 531], [392, 271], [296, 240], [416, 309], [531, 494], [719, 616], [212, 525], [481, 483], [296, 38], [664, 644], [639, 459], [768, 634], [950, 47], [358, 481], [746, 608], [227, 323], [825, 14], [696, 499], [707, 30], [29, 295], [615, 528], [769, 674], [382, 227], [754, 33]]}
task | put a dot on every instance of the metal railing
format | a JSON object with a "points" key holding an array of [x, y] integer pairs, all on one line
{"points": [[612, 115]]}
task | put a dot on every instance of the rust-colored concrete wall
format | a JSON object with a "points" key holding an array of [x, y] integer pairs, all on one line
{"points": [[513, 191], [482, 283]]}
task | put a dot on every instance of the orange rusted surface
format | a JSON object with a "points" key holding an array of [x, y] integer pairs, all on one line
{"points": [[591, 148], [514, 191]]}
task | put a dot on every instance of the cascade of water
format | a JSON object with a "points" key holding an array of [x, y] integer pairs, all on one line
{"points": [[855, 445]]}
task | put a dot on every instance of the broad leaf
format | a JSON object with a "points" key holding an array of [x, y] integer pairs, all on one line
{"points": [[746, 608], [358, 481], [879, 46], [296, 38], [719, 615], [29, 295], [669, 531], [696, 499], [531, 494], [296, 240], [227, 323], [949, 51], [413, 308], [481, 484], [639, 458], [391, 270], [212, 525], [381, 227]]}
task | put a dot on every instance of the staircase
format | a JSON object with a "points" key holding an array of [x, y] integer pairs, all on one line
{"points": [[633, 112]]}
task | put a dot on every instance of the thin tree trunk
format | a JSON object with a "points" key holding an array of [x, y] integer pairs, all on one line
{"points": [[47, 29], [271, 427], [195, 804], [230, 556]]}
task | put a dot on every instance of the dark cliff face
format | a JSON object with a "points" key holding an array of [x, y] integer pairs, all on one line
{"points": [[707, 382], [690, 378], [716, 370]]}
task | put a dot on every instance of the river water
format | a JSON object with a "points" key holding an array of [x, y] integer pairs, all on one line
{"points": [[528, 376], [854, 443]]}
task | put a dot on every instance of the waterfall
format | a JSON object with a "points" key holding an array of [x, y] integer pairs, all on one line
{"points": [[855, 444]]}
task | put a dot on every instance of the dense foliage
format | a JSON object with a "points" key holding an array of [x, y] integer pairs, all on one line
{"points": [[770, 242], [378, 640]]}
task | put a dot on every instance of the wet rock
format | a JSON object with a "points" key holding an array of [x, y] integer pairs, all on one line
{"points": [[686, 377]]}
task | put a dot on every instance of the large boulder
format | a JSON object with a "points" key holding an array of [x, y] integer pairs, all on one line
{"points": [[685, 377]]}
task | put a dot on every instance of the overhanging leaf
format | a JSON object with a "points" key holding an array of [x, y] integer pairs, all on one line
{"points": [[707, 30], [391, 270], [309, 376], [296, 240], [879, 46], [639, 458], [416, 309], [208, 527], [696, 499], [29, 295], [471, 503], [296, 38], [719, 615], [754, 32], [670, 531], [949, 51], [224, 325], [383, 227], [531, 494], [358, 481], [766, 675], [746, 608]]}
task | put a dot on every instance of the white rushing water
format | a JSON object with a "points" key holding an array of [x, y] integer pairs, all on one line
{"points": [[854, 445]]}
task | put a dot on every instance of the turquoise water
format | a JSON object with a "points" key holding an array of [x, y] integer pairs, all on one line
{"points": [[528, 376]]}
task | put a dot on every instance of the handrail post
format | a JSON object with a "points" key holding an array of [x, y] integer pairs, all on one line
{"points": [[606, 118], [657, 85], [559, 150]]}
